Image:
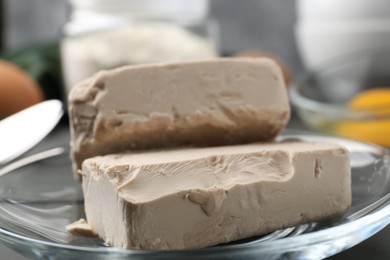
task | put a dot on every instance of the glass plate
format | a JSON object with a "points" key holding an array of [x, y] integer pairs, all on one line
{"points": [[40, 198]]}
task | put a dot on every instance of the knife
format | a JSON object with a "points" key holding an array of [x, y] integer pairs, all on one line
{"points": [[23, 130]]}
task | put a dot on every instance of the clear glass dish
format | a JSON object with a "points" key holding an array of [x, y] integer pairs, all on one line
{"points": [[322, 97], [40, 198]]}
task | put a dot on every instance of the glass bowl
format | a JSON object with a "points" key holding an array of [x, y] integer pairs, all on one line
{"points": [[322, 97], [39, 197]]}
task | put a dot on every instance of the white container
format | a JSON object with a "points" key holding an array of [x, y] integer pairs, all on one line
{"points": [[319, 41], [337, 31], [104, 34], [90, 15], [342, 10]]}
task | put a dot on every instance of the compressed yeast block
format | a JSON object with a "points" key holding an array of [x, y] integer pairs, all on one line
{"points": [[194, 198], [203, 103]]}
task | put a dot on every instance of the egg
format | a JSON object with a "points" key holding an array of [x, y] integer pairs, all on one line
{"points": [[374, 130], [258, 54], [17, 89], [375, 98]]}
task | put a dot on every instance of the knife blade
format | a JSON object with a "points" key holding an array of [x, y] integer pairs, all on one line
{"points": [[23, 130]]}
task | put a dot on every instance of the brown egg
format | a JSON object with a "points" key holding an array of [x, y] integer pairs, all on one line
{"points": [[258, 54], [17, 89]]}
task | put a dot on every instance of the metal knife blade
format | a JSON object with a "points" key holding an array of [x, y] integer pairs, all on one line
{"points": [[23, 130]]}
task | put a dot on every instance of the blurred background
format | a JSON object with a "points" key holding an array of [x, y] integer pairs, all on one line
{"points": [[270, 24], [37, 27], [47, 46]]}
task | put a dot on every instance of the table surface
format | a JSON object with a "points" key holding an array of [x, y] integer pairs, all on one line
{"points": [[375, 248]]}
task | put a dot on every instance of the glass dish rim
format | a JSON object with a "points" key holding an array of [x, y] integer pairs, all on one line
{"points": [[302, 240], [265, 246]]}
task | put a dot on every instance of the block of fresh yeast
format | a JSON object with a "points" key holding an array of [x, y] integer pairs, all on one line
{"points": [[198, 197], [203, 103]]}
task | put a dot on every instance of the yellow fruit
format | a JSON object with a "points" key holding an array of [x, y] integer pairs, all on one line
{"points": [[375, 130], [17, 89]]}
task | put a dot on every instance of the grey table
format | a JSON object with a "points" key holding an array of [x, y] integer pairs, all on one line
{"points": [[375, 248]]}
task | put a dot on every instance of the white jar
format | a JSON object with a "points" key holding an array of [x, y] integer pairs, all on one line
{"points": [[104, 34], [328, 29]]}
